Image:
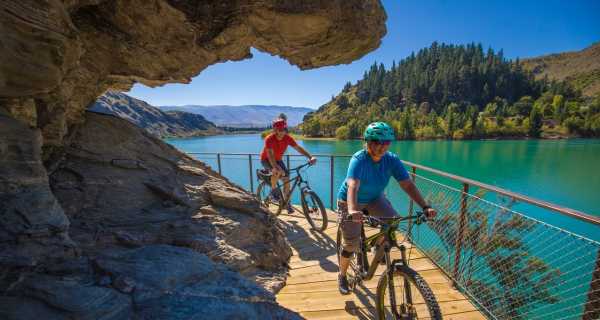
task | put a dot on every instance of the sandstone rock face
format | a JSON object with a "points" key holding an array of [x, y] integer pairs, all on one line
{"points": [[99, 220], [66, 54], [32, 221], [153, 230], [120, 186]]}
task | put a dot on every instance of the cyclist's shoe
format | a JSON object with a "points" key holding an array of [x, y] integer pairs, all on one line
{"points": [[290, 208], [343, 285]]}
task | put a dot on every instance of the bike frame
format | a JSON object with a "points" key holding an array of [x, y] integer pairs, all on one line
{"points": [[296, 181], [388, 231]]}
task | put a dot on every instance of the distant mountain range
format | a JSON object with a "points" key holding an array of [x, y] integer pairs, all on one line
{"points": [[154, 120], [580, 68], [247, 116]]}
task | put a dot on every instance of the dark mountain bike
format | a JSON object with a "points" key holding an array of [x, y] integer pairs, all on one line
{"points": [[398, 279], [312, 206]]}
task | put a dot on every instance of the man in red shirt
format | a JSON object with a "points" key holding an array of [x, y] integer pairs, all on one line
{"points": [[271, 156]]}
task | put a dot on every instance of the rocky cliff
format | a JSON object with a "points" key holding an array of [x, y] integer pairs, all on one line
{"points": [[100, 220], [152, 119]]}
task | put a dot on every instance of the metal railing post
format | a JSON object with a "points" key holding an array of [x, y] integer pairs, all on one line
{"points": [[251, 180], [331, 182], [592, 306], [219, 163], [460, 230], [411, 202]]}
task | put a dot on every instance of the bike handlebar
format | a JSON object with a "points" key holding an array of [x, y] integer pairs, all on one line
{"points": [[379, 221], [301, 166], [270, 172]]}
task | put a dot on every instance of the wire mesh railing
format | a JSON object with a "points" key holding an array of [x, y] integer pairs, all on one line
{"points": [[510, 254], [511, 265]]}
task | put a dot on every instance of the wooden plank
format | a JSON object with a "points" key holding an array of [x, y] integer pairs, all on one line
{"points": [[316, 272], [322, 255], [441, 291], [331, 287], [302, 302], [431, 274], [370, 313]]}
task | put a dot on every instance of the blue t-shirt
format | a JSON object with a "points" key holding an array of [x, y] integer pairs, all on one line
{"points": [[373, 176]]}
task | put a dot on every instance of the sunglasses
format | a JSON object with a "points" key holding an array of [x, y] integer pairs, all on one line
{"points": [[382, 143]]}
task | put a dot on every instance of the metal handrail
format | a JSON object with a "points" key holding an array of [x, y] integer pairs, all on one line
{"points": [[289, 155], [517, 196], [514, 195]]}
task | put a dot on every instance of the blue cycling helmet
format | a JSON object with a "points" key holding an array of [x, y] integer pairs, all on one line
{"points": [[379, 131]]}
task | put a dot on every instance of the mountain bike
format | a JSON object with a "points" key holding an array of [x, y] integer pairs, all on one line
{"points": [[398, 279], [312, 206]]}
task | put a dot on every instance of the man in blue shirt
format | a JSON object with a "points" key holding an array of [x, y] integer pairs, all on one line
{"points": [[368, 174]]}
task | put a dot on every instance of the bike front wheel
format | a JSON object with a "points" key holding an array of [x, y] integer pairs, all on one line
{"points": [[314, 211], [269, 198], [412, 295]]}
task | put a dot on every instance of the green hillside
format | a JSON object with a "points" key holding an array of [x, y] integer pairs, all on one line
{"points": [[580, 68], [457, 92]]}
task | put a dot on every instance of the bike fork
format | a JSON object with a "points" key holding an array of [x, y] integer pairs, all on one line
{"points": [[390, 275], [406, 283]]}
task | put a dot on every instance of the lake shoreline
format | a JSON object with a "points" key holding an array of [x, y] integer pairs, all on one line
{"points": [[306, 138], [442, 139]]}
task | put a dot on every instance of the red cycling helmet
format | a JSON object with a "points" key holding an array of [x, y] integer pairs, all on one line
{"points": [[279, 124]]}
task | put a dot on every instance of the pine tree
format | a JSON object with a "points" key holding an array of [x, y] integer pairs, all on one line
{"points": [[535, 123]]}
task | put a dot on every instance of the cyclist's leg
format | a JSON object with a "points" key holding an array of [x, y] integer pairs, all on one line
{"points": [[350, 236], [286, 178], [267, 165], [382, 208]]}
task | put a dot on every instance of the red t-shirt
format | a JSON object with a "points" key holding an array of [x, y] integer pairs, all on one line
{"points": [[278, 146]]}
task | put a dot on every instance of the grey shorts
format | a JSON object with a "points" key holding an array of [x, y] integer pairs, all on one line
{"points": [[380, 207]]}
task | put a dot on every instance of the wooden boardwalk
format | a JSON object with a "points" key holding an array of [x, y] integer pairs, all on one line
{"points": [[311, 287]]}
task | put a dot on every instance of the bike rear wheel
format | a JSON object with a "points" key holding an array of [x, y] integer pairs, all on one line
{"points": [[314, 211], [359, 264], [424, 305], [264, 195]]}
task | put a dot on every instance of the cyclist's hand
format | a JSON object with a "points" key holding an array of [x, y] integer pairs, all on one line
{"points": [[312, 160], [357, 216], [430, 213]]}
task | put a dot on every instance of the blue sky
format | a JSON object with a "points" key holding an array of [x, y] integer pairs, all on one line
{"points": [[521, 28]]}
